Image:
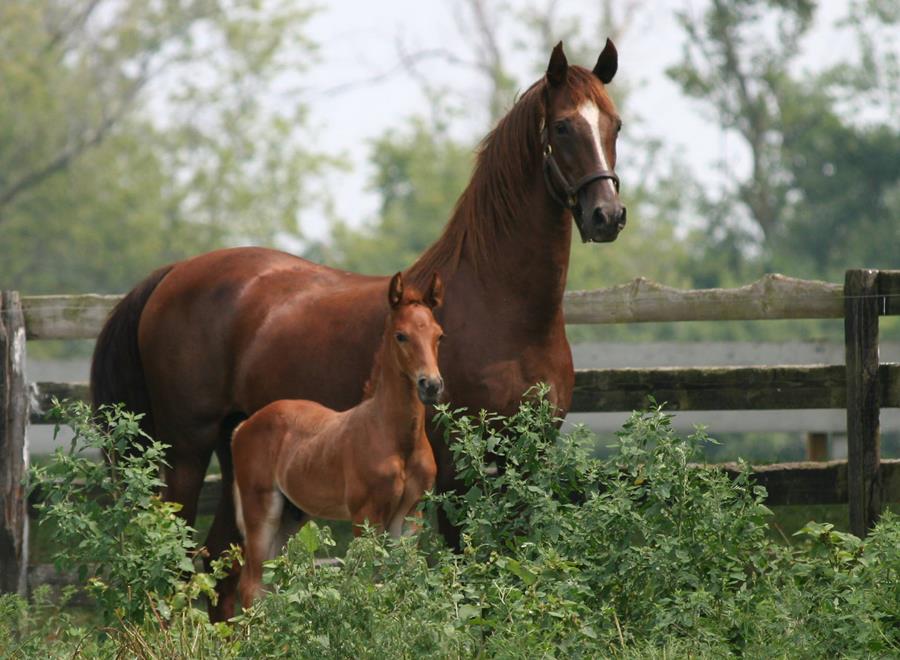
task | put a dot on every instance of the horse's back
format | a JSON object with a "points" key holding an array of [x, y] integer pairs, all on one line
{"points": [[231, 330]]}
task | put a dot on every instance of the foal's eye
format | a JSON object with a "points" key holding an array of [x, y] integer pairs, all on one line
{"points": [[561, 128], [618, 126], [401, 337], [441, 338]]}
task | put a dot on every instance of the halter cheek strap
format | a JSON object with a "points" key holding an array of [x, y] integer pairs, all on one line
{"points": [[570, 190]]}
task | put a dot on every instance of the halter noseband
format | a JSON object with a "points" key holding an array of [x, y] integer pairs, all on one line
{"points": [[552, 169]]}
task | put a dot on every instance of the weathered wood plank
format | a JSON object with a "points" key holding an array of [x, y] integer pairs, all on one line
{"points": [[624, 390], [722, 388], [67, 317], [13, 446], [642, 300], [889, 291], [861, 307], [41, 396]]}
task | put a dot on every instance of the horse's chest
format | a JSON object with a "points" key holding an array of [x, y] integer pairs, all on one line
{"points": [[497, 383]]}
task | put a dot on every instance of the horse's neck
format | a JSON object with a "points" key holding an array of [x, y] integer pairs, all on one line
{"points": [[396, 404], [526, 270]]}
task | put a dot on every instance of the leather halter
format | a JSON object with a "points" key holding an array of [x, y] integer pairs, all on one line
{"points": [[552, 169]]}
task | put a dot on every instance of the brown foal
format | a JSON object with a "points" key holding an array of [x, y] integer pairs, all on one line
{"points": [[372, 462]]}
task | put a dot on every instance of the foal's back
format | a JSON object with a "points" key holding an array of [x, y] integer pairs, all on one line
{"points": [[298, 447]]}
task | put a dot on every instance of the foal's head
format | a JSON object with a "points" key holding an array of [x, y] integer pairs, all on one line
{"points": [[413, 335], [579, 142]]}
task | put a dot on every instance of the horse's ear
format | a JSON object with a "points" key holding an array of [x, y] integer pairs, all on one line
{"points": [[558, 66], [395, 290], [435, 296], [607, 63]]}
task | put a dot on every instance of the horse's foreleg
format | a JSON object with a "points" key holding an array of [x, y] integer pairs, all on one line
{"points": [[446, 481]]}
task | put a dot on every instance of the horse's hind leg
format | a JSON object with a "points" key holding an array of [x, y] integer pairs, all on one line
{"points": [[224, 531], [184, 475], [261, 513]]}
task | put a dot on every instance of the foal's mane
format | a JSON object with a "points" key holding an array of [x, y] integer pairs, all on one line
{"points": [[411, 296], [489, 208]]}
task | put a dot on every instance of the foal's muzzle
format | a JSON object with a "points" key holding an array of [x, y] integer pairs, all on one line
{"points": [[430, 389]]}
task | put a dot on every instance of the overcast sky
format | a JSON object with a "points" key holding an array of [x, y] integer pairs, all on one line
{"points": [[358, 42]]}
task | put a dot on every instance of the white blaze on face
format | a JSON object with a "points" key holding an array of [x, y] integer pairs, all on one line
{"points": [[591, 114]]}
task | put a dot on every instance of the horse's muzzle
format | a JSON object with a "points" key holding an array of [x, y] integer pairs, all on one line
{"points": [[430, 389], [604, 223]]}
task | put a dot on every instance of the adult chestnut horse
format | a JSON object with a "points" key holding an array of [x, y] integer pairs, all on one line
{"points": [[202, 344]]}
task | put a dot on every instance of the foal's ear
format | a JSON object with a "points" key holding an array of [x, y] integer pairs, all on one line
{"points": [[558, 67], [607, 63], [395, 290], [435, 295]]}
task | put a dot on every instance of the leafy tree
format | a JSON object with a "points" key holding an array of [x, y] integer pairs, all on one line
{"points": [[821, 195], [133, 133]]}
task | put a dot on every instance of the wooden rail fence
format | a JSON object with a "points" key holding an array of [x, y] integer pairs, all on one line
{"points": [[862, 386]]}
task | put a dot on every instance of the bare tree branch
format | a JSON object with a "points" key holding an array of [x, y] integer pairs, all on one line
{"points": [[62, 33]]}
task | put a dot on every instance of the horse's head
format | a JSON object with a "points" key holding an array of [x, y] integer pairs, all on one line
{"points": [[578, 138], [414, 335]]}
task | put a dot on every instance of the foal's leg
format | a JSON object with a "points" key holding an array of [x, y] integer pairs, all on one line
{"points": [[374, 512], [405, 509], [261, 512]]}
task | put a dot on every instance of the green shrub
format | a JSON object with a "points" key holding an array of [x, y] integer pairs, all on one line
{"points": [[381, 600], [108, 521], [643, 554]]}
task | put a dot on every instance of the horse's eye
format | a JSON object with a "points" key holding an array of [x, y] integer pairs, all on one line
{"points": [[401, 337], [561, 128], [441, 338], [618, 126]]}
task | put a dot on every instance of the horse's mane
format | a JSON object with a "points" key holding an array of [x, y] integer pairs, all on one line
{"points": [[411, 296], [488, 209]]}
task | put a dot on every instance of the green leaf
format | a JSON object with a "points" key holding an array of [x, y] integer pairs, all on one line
{"points": [[309, 537]]}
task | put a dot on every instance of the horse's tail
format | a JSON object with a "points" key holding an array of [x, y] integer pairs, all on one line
{"points": [[117, 374]]}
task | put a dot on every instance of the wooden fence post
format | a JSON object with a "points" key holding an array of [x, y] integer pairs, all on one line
{"points": [[13, 447], [861, 309]]}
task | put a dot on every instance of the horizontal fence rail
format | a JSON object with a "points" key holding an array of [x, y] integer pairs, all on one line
{"points": [[643, 301], [639, 301], [624, 390], [724, 388]]}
